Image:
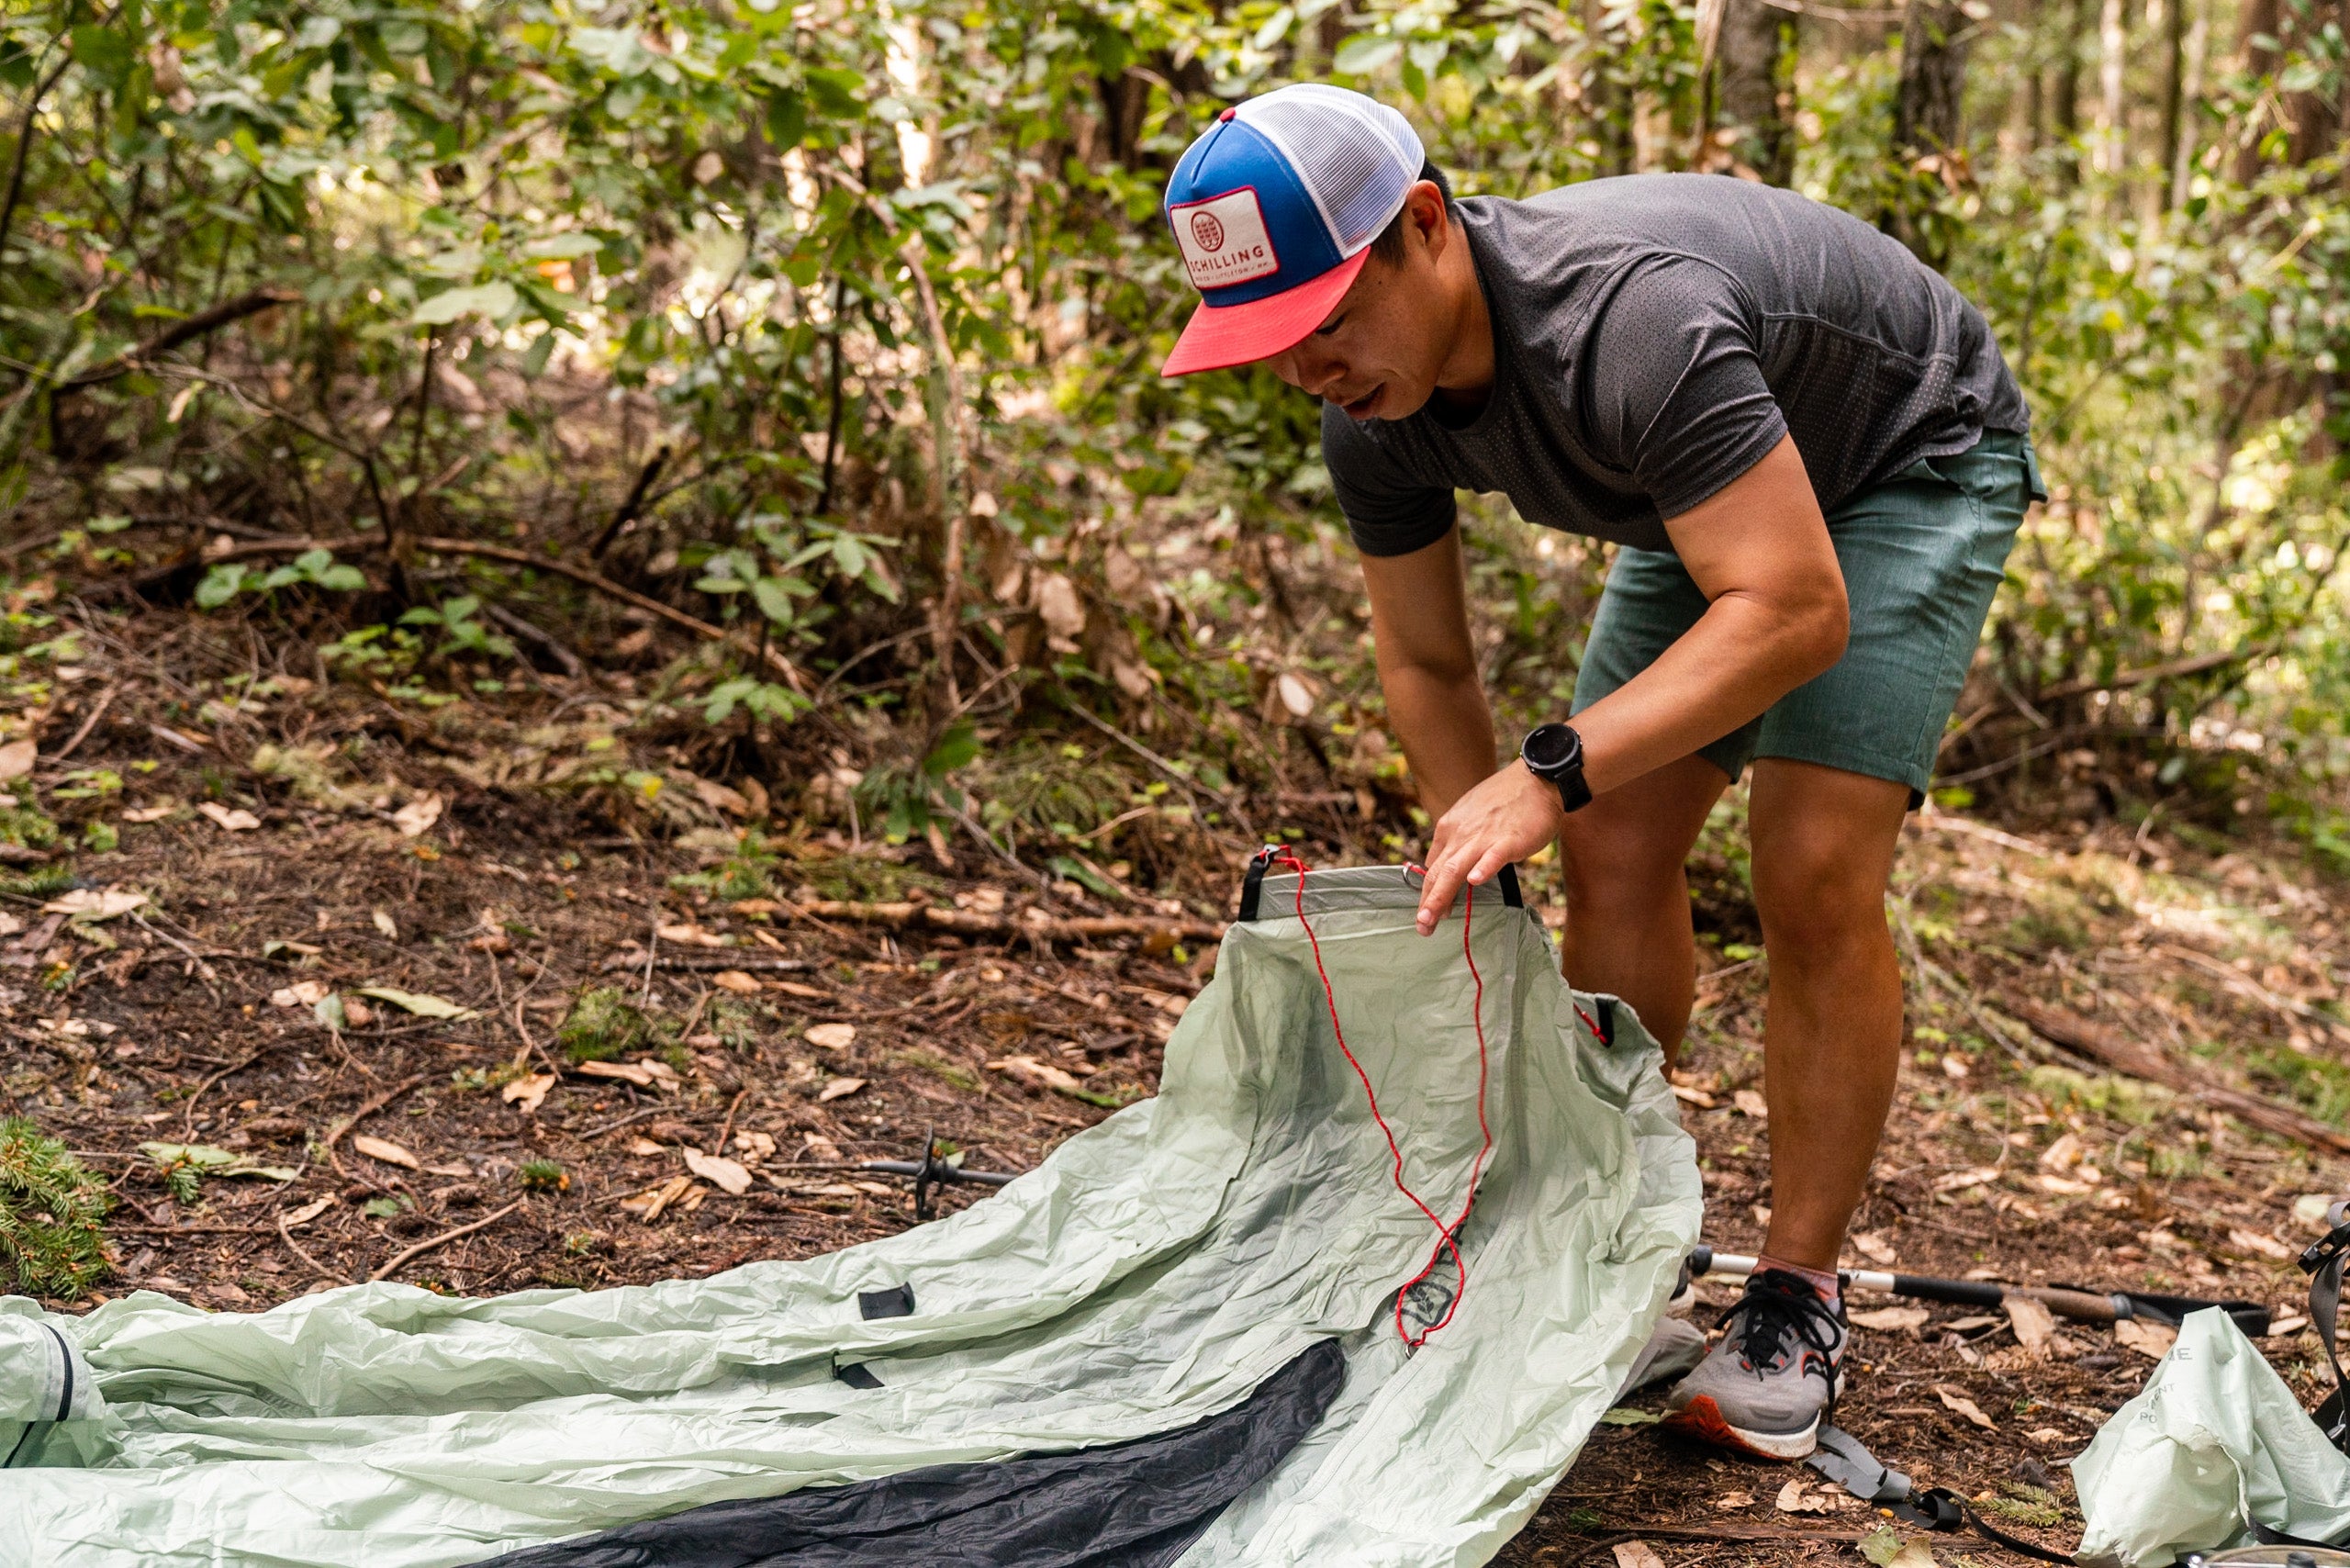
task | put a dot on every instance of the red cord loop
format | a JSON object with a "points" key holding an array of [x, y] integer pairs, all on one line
{"points": [[1448, 1236]]}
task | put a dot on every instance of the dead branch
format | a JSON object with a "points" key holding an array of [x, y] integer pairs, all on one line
{"points": [[446, 1236], [178, 332], [2123, 680], [2110, 1049], [628, 510], [1036, 922], [286, 1234], [334, 1134]]}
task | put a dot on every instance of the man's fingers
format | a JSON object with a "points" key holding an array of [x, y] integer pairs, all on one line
{"points": [[1488, 864], [1436, 893]]}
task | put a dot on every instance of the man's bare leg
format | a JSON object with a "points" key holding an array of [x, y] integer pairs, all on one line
{"points": [[1824, 841], [1628, 895]]}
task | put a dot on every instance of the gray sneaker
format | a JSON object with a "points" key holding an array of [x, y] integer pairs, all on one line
{"points": [[1770, 1383]]}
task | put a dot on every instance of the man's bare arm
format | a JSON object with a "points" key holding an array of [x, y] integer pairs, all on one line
{"points": [[1776, 616], [1427, 667]]}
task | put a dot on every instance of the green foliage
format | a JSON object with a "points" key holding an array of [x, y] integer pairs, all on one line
{"points": [[25, 827], [52, 1215], [543, 1176], [316, 568], [601, 1025], [748, 873]]}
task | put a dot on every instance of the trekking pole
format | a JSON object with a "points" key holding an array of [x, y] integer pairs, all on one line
{"points": [[2073, 1302]]}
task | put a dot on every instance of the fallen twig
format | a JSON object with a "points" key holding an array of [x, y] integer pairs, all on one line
{"points": [[334, 1132], [286, 1234], [1035, 924], [706, 963], [2110, 1049], [430, 1242]]}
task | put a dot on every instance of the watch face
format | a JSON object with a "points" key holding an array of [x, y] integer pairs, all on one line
{"points": [[1553, 745]]}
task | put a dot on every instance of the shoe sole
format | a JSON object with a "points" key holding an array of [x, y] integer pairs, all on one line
{"points": [[1702, 1419]]}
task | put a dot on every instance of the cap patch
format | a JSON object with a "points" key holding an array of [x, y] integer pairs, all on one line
{"points": [[1224, 240]]}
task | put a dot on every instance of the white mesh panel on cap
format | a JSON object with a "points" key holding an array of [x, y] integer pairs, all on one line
{"points": [[1356, 155]]}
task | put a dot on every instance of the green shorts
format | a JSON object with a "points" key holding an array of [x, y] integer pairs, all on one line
{"points": [[1922, 555]]}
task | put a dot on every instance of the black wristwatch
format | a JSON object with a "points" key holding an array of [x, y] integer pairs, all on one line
{"points": [[1554, 752]]}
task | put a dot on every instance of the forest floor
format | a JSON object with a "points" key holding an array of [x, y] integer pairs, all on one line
{"points": [[264, 867]]}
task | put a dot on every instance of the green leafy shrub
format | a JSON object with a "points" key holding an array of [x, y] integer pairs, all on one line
{"points": [[52, 1215], [601, 1025]]}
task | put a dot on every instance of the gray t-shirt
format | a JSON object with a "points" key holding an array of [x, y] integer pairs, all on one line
{"points": [[1654, 337]]}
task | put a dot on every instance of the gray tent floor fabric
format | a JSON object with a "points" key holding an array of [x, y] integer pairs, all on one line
{"points": [[1133, 1505], [1153, 1272]]}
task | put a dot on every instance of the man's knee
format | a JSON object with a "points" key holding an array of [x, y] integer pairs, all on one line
{"points": [[1821, 901]]}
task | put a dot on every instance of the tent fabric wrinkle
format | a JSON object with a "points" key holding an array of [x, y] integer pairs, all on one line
{"points": [[1172, 1276], [2213, 1443]]}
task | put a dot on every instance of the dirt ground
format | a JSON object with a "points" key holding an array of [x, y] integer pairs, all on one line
{"points": [[465, 1154]]}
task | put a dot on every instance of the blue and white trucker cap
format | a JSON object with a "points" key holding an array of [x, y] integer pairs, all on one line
{"points": [[1274, 208]]}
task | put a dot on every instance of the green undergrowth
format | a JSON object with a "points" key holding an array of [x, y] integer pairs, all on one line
{"points": [[52, 1215], [25, 828], [603, 1025], [2318, 1084]]}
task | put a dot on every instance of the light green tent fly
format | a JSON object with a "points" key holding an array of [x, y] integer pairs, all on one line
{"points": [[1158, 1271]]}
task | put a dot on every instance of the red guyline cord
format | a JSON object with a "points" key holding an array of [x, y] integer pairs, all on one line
{"points": [[1447, 1236]]}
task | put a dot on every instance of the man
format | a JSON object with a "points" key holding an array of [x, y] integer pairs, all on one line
{"points": [[1813, 461]]}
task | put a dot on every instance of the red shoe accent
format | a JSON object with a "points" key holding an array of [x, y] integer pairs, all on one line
{"points": [[1702, 1418]]}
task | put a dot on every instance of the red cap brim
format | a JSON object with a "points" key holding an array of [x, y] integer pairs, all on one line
{"points": [[1219, 336]]}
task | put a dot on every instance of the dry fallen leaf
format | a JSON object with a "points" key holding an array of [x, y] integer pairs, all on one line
{"points": [[690, 934], [2034, 1325], [841, 1087], [1891, 1319], [735, 980], [449, 1167], [232, 819], [644, 1147], [1637, 1554], [1958, 1403], [91, 903], [417, 816], [149, 814], [719, 1171], [1749, 1103], [1735, 1500], [793, 988], [386, 925], [1875, 1248], [527, 1094], [16, 759], [1036, 1074], [1958, 1180], [1792, 1499], [301, 994], [831, 1036], [1296, 695], [1688, 1094], [822, 1148], [719, 798], [307, 1213], [389, 1152], [2152, 1340], [635, 1073], [2043, 1434], [648, 1204], [755, 1146], [2261, 1244]]}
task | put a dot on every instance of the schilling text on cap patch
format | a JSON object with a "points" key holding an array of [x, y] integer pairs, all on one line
{"points": [[1224, 240]]}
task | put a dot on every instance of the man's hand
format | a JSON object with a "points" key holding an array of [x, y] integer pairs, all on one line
{"points": [[1506, 818]]}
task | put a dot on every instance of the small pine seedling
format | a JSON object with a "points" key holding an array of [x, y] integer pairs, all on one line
{"points": [[544, 1176], [53, 1213]]}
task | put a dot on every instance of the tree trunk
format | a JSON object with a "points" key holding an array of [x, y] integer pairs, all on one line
{"points": [[1927, 114], [2112, 109], [2256, 55], [1755, 51], [2181, 143], [2065, 99], [1926, 119], [2174, 20]]}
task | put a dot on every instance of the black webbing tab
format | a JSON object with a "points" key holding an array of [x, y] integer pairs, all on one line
{"points": [[1510, 895], [2323, 1263], [1252, 884], [898, 1301], [857, 1375]]}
